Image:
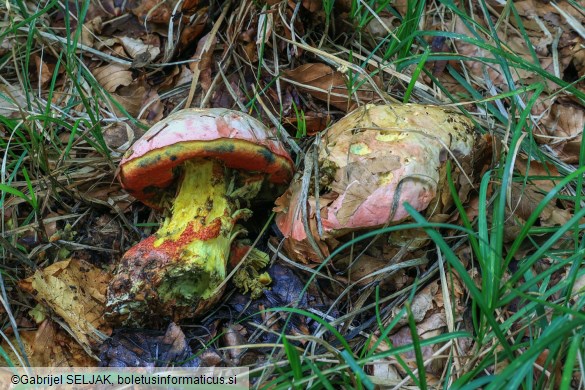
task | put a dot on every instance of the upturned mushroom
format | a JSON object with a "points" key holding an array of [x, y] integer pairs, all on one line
{"points": [[202, 168], [372, 162]]}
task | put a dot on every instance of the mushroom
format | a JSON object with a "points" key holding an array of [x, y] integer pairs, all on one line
{"points": [[372, 162], [216, 161]]}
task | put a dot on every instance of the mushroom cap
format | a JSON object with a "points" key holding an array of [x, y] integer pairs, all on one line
{"points": [[378, 158], [233, 137]]}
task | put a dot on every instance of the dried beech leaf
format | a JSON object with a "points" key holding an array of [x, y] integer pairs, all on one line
{"points": [[204, 66], [538, 169], [53, 347], [44, 74], [328, 85], [74, 290], [314, 122], [561, 126], [312, 5], [131, 99], [90, 29], [154, 11], [423, 301], [429, 313], [136, 48], [12, 100], [113, 76], [118, 136], [379, 26], [384, 374], [579, 287], [524, 201], [265, 26], [192, 31], [49, 346], [477, 68], [154, 108], [357, 181]]}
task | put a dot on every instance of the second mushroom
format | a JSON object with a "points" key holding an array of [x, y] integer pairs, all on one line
{"points": [[372, 162], [203, 168]]}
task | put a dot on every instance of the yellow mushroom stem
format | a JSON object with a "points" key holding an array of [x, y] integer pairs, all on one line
{"points": [[198, 233], [184, 262]]}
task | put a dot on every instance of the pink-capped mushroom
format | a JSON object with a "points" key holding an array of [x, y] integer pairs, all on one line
{"points": [[372, 162], [203, 168]]}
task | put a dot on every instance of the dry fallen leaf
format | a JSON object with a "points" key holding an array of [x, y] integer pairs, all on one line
{"points": [[90, 28], [312, 5], [314, 122], [383, 373], [53, 347], [74, 290], [193, 30], [154, 11], [131, 98], [49, 346], [328, 85], [578, 288], [137, 49], [118, 136], [525, 199], [204, 66], [428, 310], [478, 68], [561, 121], [113, 76], [42, 70], [379, 26], [152, 110], [537, 169], [12, 100]]}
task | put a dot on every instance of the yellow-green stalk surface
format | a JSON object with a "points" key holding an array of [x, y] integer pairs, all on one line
{"points": [[180, 267]]}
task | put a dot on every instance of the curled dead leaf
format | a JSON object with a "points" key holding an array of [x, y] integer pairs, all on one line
{"points": [[138, 50], [131, 98], [328, 85], [89, 31], [204, 66], [113, 76], [42, 70], [154, 11], [380, 26], [538, 172], [312, 5], [153, 108], [561, 125], [478, 68], [118, 136], [524, 201], [192, 31], [313, 122]]}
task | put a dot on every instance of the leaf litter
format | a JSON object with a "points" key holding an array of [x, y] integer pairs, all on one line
{"points": [[142, 58]]}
